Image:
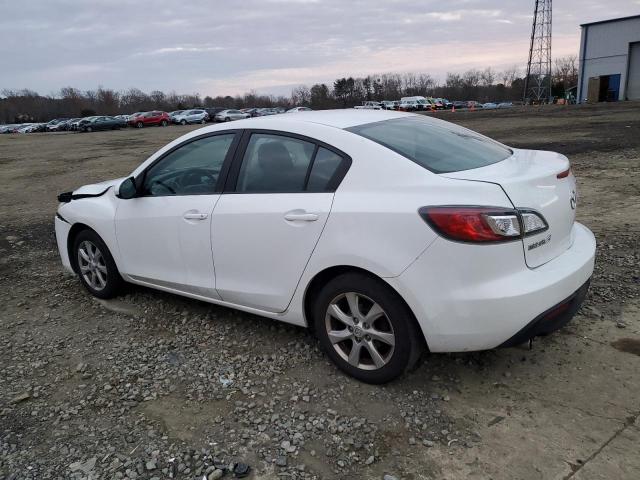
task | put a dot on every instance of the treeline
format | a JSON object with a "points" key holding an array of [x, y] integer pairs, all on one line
{"points": [[481, 85]]}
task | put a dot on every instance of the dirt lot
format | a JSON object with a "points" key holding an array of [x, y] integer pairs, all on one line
{"points": [[157, 386]]}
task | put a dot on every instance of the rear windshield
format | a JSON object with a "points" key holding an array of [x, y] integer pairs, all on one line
{"points": [[438, 146]]}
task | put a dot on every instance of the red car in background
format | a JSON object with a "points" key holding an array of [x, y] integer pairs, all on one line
{"points": [[145, 119]]}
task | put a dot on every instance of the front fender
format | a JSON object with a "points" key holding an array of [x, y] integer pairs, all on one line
{"points": [[97, 213]]}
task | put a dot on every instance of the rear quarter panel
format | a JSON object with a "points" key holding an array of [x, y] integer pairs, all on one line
{"points": [[374, 222]]}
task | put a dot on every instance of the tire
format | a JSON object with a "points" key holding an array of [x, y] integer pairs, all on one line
{"points": [[164, 123], [203, 121], [183, 122], [227, 119], [101, 278], [139, 125], [393, 335], [88, 129]]}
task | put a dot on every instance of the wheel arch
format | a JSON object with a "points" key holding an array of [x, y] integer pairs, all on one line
{"points": [[324, 276], [76, 228]]}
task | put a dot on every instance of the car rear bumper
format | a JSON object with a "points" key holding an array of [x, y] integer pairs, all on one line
{"points": [[553, 319], [477, 297]]}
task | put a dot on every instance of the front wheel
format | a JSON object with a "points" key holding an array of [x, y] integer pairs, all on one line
{"points": [[203, 121], [227, 119], [164, 123], [183, 122], [95, 265], [88, 129], [366, 328], [139, 125]]}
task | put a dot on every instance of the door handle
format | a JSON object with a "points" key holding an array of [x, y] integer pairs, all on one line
{"points": [[301, 217], [195, 216]]}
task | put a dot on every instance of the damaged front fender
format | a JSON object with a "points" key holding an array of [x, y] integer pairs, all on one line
{"points": [[89, 191]]}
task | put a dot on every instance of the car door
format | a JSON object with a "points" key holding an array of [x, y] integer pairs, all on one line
{"points": [[268, 222], [164, 232]]}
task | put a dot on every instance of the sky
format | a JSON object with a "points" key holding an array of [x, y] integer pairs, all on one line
{"points": [[216, 47]]}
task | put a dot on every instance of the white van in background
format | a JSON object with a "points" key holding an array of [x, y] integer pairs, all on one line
{"points": [[414, 103]]}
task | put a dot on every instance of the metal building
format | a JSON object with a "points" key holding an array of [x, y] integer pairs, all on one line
{"points": [[609, 67]]}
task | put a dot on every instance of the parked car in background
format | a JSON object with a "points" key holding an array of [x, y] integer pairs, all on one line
{"points": [[196, 115], [459, 104], [299, 109], [480, 250], [124, 120], [173, 114], [369, 105], [263, 112], [30, 128], [133, 115], [250, 111], [412, 104], [147, 119], [74, 124], [57, 125], [489, 106], [99, 123], [447, 103], [505, 105], [9, 128], [389, 104], [229, 115], [212, 112], [437, 103]]}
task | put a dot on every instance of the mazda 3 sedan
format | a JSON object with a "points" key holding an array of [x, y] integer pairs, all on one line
{"points": [[386, 233]]}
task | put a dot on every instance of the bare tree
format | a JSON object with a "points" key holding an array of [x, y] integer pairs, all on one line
{"points": [[487, 77], [566, 70]]}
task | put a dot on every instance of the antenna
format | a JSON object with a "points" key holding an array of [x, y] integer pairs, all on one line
{"points": [[537, 83]]}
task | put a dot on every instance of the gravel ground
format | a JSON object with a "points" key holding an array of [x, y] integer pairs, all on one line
{"points": [[154, 386]]}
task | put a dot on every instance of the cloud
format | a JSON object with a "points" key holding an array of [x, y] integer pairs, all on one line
{"points": [[231, 47]]}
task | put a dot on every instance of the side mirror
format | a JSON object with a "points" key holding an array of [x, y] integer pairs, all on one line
{"points": [[128, 189]]}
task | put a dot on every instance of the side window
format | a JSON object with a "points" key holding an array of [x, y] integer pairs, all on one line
{"points": [[324, 168], [274, 163], [192, 169]]}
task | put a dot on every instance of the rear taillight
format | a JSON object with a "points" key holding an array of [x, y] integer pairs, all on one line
{"points": [[564, 174], [482, 224]]}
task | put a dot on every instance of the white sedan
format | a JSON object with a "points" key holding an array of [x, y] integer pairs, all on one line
{"points": [[387, 233]]}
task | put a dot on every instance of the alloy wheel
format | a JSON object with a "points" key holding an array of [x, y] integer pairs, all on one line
{"points": [[92, 265], [360, 331]]}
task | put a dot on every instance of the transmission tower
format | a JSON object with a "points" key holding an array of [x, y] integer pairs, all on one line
{"points": [[537, 83]]}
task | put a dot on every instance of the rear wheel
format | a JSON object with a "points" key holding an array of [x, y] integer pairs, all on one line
{"points": [[164, 123], [227, 119], [183, 122], [203, 121], [366, 328], [95, 266], [139, 125], [88, 129]]}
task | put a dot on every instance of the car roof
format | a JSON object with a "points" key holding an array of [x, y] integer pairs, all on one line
{"points": [[344, 118]]}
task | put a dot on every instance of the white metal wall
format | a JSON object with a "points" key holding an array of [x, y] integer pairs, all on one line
{"points": [[604, 50], [633, 85]]}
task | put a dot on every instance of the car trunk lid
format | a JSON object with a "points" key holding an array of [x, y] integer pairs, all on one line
{"points": [[535, 180]]}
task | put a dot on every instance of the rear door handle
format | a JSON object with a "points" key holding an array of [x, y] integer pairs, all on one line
{"points": [[195, 216], [301, 217]]}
